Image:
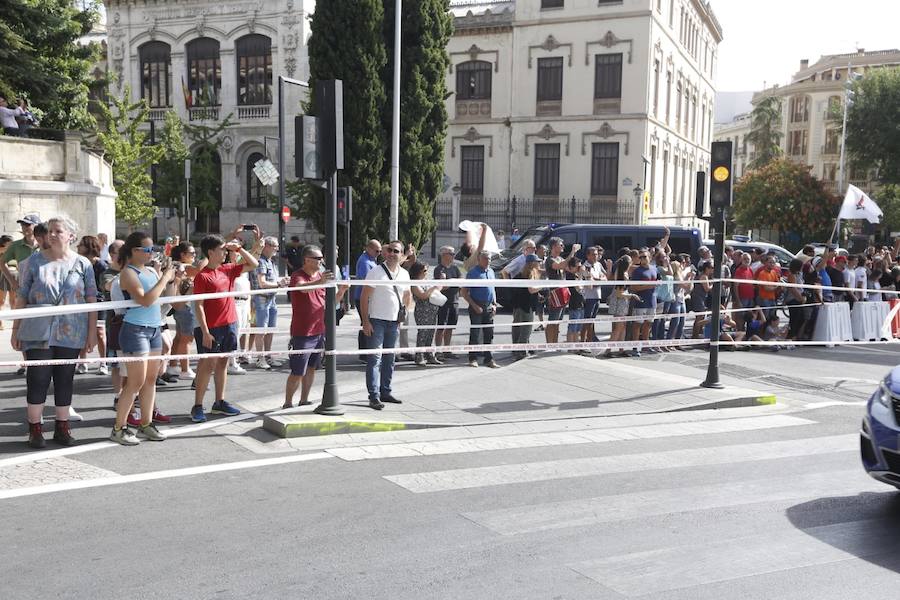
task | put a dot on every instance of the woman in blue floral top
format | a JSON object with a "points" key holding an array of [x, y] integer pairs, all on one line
{"points": [[55, 276]]}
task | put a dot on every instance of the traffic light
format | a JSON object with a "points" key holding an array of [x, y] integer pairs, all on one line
{"points": [[307, 148], [700, 199], [721, 181], [344, 205], [330, 111]]}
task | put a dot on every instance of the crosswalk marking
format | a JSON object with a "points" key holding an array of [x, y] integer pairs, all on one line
{"points": [[458, 479], [638, 505], [559, 438], [657, 571]]}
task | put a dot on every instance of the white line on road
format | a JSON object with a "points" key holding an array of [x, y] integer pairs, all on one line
{"points": [[153, 475], [458, 479], [640, 505], [560, 438]]}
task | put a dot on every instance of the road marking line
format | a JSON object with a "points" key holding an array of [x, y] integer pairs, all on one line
{"points": [[154, 475], [535, 440], [82, 448], [656, 571], [459, 479], [638, 505]]}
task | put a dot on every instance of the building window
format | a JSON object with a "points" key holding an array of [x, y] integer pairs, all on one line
{"points": [[668, 97], [472, 170], [473, 80], [254, 70], [797, 143], [204, 71], [256, 191], [665, 182], [552, 4], [155, 58], [672, 14], [656, 68], [546, 169], [608, 76], [678, 95], [832, 141], [549, 79], [799, 109], [605, 169]]}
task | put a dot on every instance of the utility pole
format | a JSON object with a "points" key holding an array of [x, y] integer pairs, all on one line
{"points": [[394, 224]]}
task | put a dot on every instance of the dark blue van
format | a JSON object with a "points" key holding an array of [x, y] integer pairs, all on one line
{"points": [[682, 240]]}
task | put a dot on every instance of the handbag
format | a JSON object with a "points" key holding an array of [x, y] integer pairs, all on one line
{"points": [[437, 298], [37, 329], [401, 313], [559, 298]]}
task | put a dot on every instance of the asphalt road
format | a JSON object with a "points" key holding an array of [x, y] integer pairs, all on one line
{"points": [[763, 502]]}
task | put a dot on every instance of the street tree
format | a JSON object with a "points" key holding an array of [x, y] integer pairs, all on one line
{"points": [[170, 183], [206, 167], [124, 146], [347, 44], [41, 59], [426, 29], [765, 131], [785, 196], [873, 139]]}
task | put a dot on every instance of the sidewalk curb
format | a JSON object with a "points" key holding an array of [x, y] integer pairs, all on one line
{"points": [[307, 425]]}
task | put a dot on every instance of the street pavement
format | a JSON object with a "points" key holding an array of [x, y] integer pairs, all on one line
{"points": [[561, 476]]}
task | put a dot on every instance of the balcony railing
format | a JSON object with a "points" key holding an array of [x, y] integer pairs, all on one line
{"points": [[259, 111], [158, 114], [473, 110], [204, 113]]}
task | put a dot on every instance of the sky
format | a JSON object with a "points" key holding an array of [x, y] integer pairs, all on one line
{"points": [[764, 40]]}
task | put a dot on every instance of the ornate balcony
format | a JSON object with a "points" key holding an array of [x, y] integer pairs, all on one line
{"points": [[254, 111], [204, 113]]}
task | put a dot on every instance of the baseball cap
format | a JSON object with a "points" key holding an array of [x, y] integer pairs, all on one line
{"points": [[29, 219], [532, 258]]}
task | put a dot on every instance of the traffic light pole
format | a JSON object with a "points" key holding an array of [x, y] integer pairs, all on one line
{"points": [[331, 404], [717, 221]]}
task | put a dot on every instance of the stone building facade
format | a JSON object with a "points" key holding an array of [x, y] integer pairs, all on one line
{"points": [[206, 60], [560, 99]]}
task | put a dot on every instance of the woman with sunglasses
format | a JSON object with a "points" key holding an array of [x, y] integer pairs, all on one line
{"points": [[140, 335], [183, 256]]}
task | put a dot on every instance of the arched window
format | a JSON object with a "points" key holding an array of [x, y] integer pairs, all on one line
{"points": [[473, 80], [155, 58], [256, 191], [254, 70], [204, 71]]}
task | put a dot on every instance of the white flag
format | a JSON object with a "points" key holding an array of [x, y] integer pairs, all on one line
{"points": [[857, 205]]}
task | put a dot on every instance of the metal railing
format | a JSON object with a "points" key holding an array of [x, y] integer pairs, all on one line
{"points": [[514, 212], [204, 113], [257, 111]]}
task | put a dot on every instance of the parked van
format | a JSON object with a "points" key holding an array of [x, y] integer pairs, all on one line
{"points": [[611, 238]]}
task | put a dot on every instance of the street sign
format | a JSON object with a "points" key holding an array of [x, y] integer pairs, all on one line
{"points": [[265, 171], [285, 214]]}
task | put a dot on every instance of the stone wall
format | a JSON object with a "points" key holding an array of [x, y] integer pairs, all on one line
{"points": [[55, 179]]}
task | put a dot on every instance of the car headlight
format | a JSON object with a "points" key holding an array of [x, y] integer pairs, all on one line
{"points": [[885, 396]]}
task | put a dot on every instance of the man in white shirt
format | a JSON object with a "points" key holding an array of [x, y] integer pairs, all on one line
{"points": [[379, 312], [858, 265], [8, 118], [516, 265], [594, 271], [104, 247]]}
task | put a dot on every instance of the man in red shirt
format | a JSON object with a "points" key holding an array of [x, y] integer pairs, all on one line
{"points": [[217, 319], [307, 324]]}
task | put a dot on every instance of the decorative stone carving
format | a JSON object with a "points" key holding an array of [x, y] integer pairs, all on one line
{"points": [[471, 136], [546, 133], [605, 132], [251, 22], [473, 53], [608, 41], [549, 45], [290, 65], [200, 26]]}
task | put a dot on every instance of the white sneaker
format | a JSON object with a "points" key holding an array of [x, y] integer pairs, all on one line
{"points": [[81, 368], [236, 369], [74, 416], [173, 371], [189, 374], [102, 369], [262, 364]]}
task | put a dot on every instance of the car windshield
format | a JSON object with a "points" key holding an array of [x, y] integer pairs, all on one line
{"points": [[535, 235]]}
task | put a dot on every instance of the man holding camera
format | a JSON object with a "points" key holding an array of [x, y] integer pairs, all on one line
{"points": [[381, 309], [265, 277]]}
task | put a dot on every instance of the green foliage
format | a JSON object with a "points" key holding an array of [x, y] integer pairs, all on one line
{"points": [[873, 138], [347, 44], [351, 40], [41, 59], [888, 199], [784, 196], [426, 28], [170, 183], [765, 131], [206, 171], [125, 147]]}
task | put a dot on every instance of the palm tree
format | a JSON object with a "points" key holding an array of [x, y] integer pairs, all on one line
{"points": [[765, 131]]}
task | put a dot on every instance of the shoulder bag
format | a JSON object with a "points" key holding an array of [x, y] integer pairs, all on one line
{"points": [[401, 313]]}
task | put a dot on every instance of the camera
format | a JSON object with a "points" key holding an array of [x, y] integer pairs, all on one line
{"points": [[249, 227]]}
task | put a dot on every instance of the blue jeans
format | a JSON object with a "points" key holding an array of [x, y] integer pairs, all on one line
{"points": [[380, 369], [765, 304], [676, 324], [658, 329]]}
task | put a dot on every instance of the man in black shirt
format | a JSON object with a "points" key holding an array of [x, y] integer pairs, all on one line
{"points": [[447, 314]]}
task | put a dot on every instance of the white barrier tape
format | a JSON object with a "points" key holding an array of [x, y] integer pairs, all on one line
{"points": [[463, 349], [807, 343], [785, 284]]}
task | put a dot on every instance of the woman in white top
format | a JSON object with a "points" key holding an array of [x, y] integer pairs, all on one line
{"points": [[242, 306]]}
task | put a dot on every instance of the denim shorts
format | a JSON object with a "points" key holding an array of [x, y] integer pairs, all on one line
{"points": [[266, 311], [224, 339], [591, 305], [575, 314], [646, 313], [555, 314], [139, 339]]}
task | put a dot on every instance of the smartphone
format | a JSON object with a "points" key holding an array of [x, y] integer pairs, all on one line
{"points": [[249, 227]]}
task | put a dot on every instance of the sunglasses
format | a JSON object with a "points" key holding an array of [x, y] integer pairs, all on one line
{"points": [[145, 249], [394, 250], [316, 257]]}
